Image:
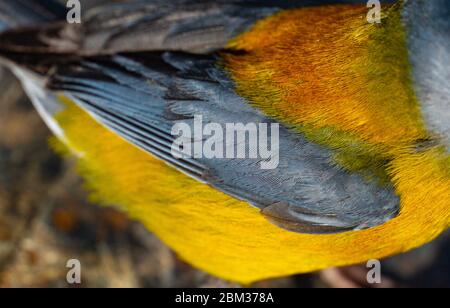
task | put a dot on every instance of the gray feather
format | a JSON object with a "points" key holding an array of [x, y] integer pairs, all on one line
{"points": [[183, 25], [428, 29]]}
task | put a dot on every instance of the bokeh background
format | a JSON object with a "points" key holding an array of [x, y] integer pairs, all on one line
{"points": [[45, 220]]}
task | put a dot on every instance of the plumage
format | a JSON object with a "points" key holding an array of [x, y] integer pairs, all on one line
{"points": [[356, 150], [181, 25], [430, 42], [22, 13], [321, 195]]}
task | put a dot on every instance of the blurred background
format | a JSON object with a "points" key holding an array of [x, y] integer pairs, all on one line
{"points": [[45, 220]]}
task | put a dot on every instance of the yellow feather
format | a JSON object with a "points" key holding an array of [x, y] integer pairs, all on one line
{"points": [[229, 238]]}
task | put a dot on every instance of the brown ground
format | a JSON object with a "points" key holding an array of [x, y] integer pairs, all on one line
{"points": [[45, 220]]}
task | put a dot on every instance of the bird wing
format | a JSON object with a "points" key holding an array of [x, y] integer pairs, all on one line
{"points": [[142, 96], [133, 68]]}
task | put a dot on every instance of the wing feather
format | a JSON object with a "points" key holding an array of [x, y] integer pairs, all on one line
{"points": [[141, 97]]}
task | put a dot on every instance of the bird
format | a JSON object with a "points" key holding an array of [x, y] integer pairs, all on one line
{"points": [[364, 136]]}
